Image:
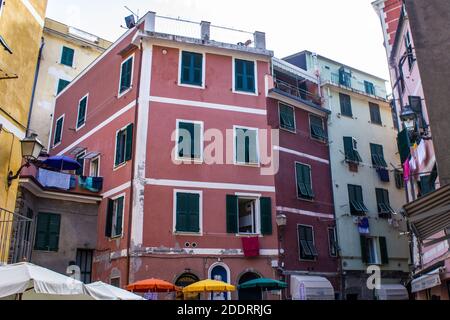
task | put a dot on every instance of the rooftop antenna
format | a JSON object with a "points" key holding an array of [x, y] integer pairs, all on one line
{"points": [[130, 20]]}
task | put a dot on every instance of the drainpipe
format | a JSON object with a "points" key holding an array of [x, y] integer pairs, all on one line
{"points": [[133, 164], [36, 75]]}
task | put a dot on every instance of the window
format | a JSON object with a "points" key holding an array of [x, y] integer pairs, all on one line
{"points": [[368, 250], [346, 104], [399, 179], [376, 151], [126, 75], [426, 185], [350, 149], [62, 84], [67, 56], [246, 146], [191, 68], [332, 242], [317, 128], [84, 261], [47, 232], [375, 116], [409, 50], [383, 204], [355, 196], [369, 87], [115, 282], [82, 108], [187, 211], [190, 140], [124, 145], [114, 217], [307, 247], [249, 215], [80, 159], [95, 167], [287, 117], [304, 181], [244, 76], [345, 77], [58, 131]]}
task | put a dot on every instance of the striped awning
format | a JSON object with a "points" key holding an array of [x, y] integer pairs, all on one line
{"points": [[430, 214]]}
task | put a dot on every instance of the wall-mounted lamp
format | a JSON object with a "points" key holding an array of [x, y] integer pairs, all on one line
{"points": [[31, 148], [408, 117], [281, 220]]}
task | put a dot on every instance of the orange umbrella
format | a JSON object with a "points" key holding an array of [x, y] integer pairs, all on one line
{"points": [[153, 285]]}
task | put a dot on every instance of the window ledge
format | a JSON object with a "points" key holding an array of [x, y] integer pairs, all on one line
{"points": [[187, 234], [252, 165], [193, 86], [120, 166], [245, 235], [80, 127], [120, 95], [288, 130], [247, 93]]}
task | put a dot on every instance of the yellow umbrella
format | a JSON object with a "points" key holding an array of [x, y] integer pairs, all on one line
{"points": [[209, 285]]}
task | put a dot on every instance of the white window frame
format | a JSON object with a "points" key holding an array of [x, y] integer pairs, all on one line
{"points": [[180, 58], [85, 112], [120, 76], [257, 213], [258, 162], [200, 214], [298, 242], [335, 241], [233, 77], [97, 158], [61, 54], [114, 217], [84, 160], [296, 181], [194, 160], [115, 167], [62, 130], [279, 117]]}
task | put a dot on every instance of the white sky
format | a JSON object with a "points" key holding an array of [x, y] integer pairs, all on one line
{"points": [[348, 31]]}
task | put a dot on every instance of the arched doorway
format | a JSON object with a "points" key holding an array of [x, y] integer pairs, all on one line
{"points": [[251, 293], [220, 272], [184, 280]]}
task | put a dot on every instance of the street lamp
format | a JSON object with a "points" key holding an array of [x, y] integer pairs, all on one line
{"points": [[408, 117], [31, 148], [281, 220]]}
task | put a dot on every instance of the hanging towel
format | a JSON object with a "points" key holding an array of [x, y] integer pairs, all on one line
{"points": [[363, 226], [250, 246], [383, 174], [421, 152], [54, 179], [406, 170]]}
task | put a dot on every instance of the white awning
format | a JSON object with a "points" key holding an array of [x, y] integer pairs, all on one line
{"points": [[311, 288], [426, 281], [392, 292], [103, 291]]}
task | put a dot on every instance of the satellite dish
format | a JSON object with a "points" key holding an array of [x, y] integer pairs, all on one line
{"points": [[130, 21]]}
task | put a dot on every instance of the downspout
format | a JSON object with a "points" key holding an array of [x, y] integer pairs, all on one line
{"points": [[36, 75], [133, 164]]}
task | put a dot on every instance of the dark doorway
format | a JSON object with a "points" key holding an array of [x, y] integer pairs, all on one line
{"points": [[183, 281], [252, 293]]}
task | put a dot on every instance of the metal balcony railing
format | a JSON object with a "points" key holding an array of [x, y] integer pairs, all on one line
{"points": [[336, 80], [16, 237], [296, 91]]}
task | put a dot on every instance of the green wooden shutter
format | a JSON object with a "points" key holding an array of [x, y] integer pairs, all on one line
{"points": [[82, 112], [194, 212], [53, 231], [125, 79], [185, 67], [182, 208], [287, 117], [364, 253], [250, 76], [58, 131], [346, 106], [403, 145], [242, 145], [129, 143], [196, 141], [266, 215], [232, 214], [197, 62], [348, 148], [307, 180], [67, 56], [118, 148], [109, 217], [238, 74], [383, 250], [61, 85], [41, 241], [119, 219]]}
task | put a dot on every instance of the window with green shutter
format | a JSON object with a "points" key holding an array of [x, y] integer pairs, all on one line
{"points": [[287, 117], [246, 146], [266, 215], [191, 68], [67, 56], [377, 153], [82, 107], [58, 131], [47, 232], [80, 159], [317, 128], [368, 250], [124, 145], [383, 203], [114, 217], [189, 140], [332, 242], [375, 116], [369, 87], [232, 213], [304, 181], [383, 250], [356, 201], [399, 179], [61, 85], [351, 153], [403, 145], [187, 212], [126, 71], [244, 75], [307, 247], [346, 105]]}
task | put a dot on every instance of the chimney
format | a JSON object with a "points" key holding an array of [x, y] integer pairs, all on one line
{"points": [[149, 24], [260, 40], [205, 27]]}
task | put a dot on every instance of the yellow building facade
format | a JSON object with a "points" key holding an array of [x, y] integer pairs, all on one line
{"points": [[21, 25]]}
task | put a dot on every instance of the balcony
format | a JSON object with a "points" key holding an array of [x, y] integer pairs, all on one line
{"points": [[15, 237], [336, 80]]}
